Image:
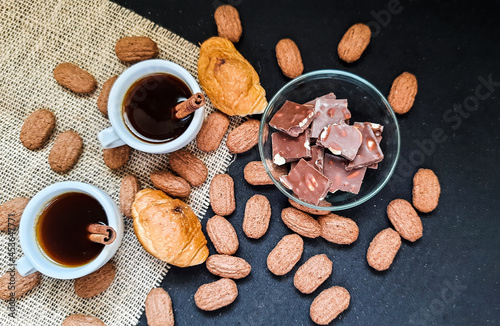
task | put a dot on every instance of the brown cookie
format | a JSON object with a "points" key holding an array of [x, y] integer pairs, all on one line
{"points": [[405, 219], [222, 194], [23, 284], [383, 249], [11, 212], [129, 188], [426, 190], [300, 222], [65, 152], [255, 173], [257, 216], [228, 266], [228, 23], [289, 58], [329, 304], [222, 235], [117, 157], [212, 131], [354, 42], [243, 137], [96, 282], [313, 273], [285, 255], [215, 295], [403, 91], [82, 320], [158, 306], [338, 229], [37, 129], [136, 48], [74, 78], [170, 184], [102, 100], [189, 167]]}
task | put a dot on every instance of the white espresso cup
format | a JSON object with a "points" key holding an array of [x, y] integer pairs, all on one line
{"points": [[119, 134], [35, 259]]}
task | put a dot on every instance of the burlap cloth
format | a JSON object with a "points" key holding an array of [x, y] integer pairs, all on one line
{"points": [[34, 37]]}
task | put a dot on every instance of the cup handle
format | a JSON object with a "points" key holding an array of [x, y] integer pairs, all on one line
{"points": [[24, 266], [109, 138]]}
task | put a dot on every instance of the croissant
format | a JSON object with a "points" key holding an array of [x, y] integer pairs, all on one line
{"points": [[168, 229], [229, 80]]}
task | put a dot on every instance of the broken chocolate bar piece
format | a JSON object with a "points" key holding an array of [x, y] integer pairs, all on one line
{"points": [[326, 112], [307, 183], [341, 139], [288, 149], [292, 118], [377, 130], [327, 96], [317, 155], [341, 179], [369, 152]]}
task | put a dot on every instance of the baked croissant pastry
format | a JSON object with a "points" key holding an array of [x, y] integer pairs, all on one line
{"points": [[168, 229], [229, 80]]}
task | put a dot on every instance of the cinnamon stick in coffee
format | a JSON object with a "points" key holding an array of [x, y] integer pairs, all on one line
{"points": [[100, 233], [190, 105]]}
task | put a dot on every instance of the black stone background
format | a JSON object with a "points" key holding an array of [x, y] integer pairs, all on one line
{"points": [[451, 275]]}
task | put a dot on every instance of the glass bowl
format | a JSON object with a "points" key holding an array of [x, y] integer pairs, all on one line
{"points": [[365, 102]]}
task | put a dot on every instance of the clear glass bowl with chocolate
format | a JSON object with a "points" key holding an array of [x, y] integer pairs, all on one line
{"points": [[337, 135]]}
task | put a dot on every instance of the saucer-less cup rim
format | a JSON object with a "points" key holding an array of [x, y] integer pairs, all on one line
{"points": [[35, 259], [341, 75], [119, 134]]}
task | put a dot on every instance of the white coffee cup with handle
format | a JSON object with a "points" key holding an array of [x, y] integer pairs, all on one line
{"points": [[35, 259], [119, 134]]}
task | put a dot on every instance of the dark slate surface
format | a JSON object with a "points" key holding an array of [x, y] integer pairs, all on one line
{"points": [[450, 276]]}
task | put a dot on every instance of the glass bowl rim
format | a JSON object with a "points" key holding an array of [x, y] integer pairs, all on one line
{"points": [[344, 76]]}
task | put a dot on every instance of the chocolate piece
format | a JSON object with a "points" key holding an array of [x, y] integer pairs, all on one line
{"points": [[334, 170], [307, 183], [369, 152], [341, 139], [326, 112], [327, 96], [292, 118], [317, 157], [377, 131], [288, 149]]}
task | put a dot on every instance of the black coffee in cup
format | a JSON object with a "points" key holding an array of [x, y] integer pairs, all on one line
{"points": [[149, 108], [61, 229]]}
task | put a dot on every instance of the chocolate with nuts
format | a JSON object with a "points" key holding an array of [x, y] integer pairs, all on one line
{"points": [[317, 158], [354, 147], [335, 171], [307, 183], [292, 118], [328, 111], [369, 152], [288, 149], [341, 139]]}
